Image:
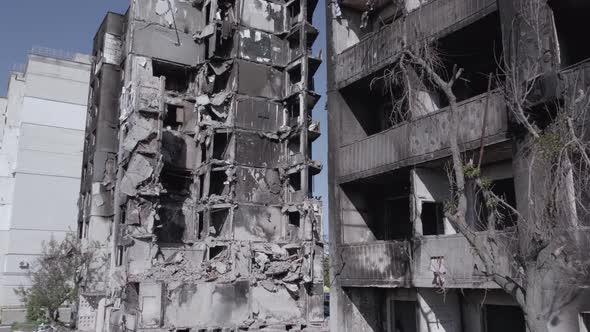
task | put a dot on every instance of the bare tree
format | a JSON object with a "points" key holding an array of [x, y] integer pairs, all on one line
{"points": [[548, 245]]}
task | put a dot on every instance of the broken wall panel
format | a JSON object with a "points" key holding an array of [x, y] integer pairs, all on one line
{"points": [[262, 47], [263, 15], [166, 44], [258, 185], [172, 14], [226, 305], [253, 149], [258, 223], [258, 114], [259, 81]]}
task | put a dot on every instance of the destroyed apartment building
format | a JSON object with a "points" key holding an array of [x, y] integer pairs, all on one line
{"points": [[396, 262], [197, 177]]}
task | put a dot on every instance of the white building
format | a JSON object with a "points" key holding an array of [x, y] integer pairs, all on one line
{"points": [[42, 125]]}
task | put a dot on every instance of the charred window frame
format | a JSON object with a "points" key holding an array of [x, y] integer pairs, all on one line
{"points": [[178, 77], [478, 49], [216, 251], [217, 183], [371, 102], [222, 142], [295, 182], [382, 205], [219, 222], [174, 117]]}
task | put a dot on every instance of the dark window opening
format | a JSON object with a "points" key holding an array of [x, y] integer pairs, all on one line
{"points": [[208, 14], [295, 75], [295, 219], [222, 81], [310, 42], [203, 147], [294, 10], [477, 49], [311, 5], [543, 115], [81, 230], [293, 114], [171, 226], [404, 316], [375, 104], [217, 183], [382, 205], [432, 217], [504, 217], [568, 14], [120, 253], [292, 252], [224, 46], [216, 251], [218, 219], [585, 321], [221, 143], [175, 154], [176, 180], [295, 46], [177, 77], [505, 189], [295, 181], [201, 186], [370, 304], [503, 318], [294, 145], [132, 295], [396, 211], [226, 10], [201, 226], [310, 81], [174, 117]]}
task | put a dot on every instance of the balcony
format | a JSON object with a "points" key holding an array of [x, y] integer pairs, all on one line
{"points": [[463, 268], [423, 139], [396, 264], [380, 48], [376, 264]]}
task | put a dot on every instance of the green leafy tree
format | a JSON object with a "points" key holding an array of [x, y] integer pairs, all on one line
{"points": [[55, 278]]}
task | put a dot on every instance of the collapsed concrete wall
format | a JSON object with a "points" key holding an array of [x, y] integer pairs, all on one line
{"points": [[208, 192]]}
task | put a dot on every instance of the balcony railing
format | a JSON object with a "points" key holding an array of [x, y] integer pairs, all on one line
{"points": [[423, 139], [454, 256], [376, 263], [380, 49], [405, 264]]}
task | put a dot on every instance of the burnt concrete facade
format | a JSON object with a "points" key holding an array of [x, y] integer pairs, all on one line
{"points": [[197, 178], [396, 263]]}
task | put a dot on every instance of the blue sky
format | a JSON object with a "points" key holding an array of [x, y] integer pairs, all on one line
{"points": [[70, 25]]}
